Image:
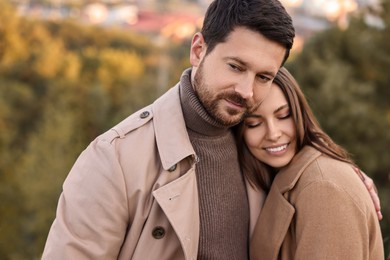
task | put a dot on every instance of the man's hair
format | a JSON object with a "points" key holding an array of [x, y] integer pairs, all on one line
{"points": [[267, 17]]}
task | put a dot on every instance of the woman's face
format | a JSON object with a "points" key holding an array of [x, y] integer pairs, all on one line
{"points": [[269, 132]]}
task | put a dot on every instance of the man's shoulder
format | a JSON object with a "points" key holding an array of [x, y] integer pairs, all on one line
{"points": [[129, 124], [155, 117]]}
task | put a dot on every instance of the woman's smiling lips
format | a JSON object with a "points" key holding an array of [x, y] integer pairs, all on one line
{"points": [[276, 149]]}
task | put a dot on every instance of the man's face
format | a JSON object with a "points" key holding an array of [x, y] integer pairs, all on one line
{"points": [[236, 75]]}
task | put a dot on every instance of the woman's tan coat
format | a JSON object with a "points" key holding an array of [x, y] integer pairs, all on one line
{"points": [[317, 208], [132, 194]]}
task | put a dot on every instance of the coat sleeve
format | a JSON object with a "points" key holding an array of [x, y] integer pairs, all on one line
{"points": [[330, 224], [92, 214]]}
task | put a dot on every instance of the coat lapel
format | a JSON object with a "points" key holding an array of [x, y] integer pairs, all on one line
{"points": [[288, 177], [271, 228], [173, 146], [179, 201]]}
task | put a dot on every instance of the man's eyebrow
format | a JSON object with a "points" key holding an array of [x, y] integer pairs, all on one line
{"points": [[246, 64], [236, 59]]}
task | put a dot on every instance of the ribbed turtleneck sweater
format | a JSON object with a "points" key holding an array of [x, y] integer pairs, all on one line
{"points": [[223, 203]]}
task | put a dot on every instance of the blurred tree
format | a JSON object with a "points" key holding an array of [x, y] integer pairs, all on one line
{"points": [[50, 152], [13, 50], [14, 98], [61, 85]]}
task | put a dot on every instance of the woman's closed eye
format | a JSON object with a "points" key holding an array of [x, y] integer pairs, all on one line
{"points": [[285, 116], [253, 124]]}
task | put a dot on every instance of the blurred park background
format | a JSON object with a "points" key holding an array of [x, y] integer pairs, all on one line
{"points": [[69, 70]]}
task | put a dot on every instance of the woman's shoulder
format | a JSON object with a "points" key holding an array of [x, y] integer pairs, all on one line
{"points": [[334, 176], [332, 170], [315, 166]]}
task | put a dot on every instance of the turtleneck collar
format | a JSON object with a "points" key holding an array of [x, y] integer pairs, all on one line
{"points": [[195, 115]]}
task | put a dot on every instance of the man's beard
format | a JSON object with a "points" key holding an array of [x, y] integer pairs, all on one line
{"points": [[210, 103]]}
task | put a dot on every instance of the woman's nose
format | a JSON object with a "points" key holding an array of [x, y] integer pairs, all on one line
{"points": [[273, 132]]}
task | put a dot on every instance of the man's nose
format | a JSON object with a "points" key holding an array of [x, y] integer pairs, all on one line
{"points": [[245, 88]]}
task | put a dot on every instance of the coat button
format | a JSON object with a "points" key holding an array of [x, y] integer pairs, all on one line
{"points": [[158, 232], [144, 114], [172, 168]]}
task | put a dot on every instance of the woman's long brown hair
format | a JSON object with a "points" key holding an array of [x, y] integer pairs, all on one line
{"points": [[308, 132]]}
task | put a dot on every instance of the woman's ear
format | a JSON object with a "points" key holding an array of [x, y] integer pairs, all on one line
{"points": [[198, 49]]}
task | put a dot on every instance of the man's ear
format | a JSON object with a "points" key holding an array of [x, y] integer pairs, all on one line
{"points": [[198, 49]]}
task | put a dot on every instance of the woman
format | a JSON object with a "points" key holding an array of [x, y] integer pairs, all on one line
{"points": [[316, 207]]}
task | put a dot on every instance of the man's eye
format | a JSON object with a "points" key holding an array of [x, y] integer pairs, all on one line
{"points": [[264, 78], [235, 67]]}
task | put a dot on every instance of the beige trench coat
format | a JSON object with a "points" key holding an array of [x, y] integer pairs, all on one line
{"points": [[132, 194], [319, 209]]}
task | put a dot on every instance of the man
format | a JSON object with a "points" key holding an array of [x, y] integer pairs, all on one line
{"points": [[165, 183]]}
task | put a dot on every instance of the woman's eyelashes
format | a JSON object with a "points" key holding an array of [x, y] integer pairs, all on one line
{"points": [[286, 116], [251, 123]]}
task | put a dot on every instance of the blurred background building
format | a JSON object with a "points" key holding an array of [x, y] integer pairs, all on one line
{"points": [[179, 19]]}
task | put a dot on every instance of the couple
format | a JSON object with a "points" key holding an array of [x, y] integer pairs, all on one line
{"points": [[166, 183]]}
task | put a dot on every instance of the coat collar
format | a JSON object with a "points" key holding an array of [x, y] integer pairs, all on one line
{"points": [[171, 134], [286, 178]]}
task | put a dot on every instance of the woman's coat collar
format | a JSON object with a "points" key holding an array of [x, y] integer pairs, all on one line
{"points": [[287, 177]]}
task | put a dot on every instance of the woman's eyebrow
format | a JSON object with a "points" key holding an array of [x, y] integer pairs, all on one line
{"points": [[280, 108], [253, 116], [260, 116]]}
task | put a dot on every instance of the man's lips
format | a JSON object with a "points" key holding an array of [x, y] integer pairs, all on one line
{"points": [[237, 104], [236, 100]]}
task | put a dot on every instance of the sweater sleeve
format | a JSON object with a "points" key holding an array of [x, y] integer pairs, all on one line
{"points": [[92, 214], [329, 224]]}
